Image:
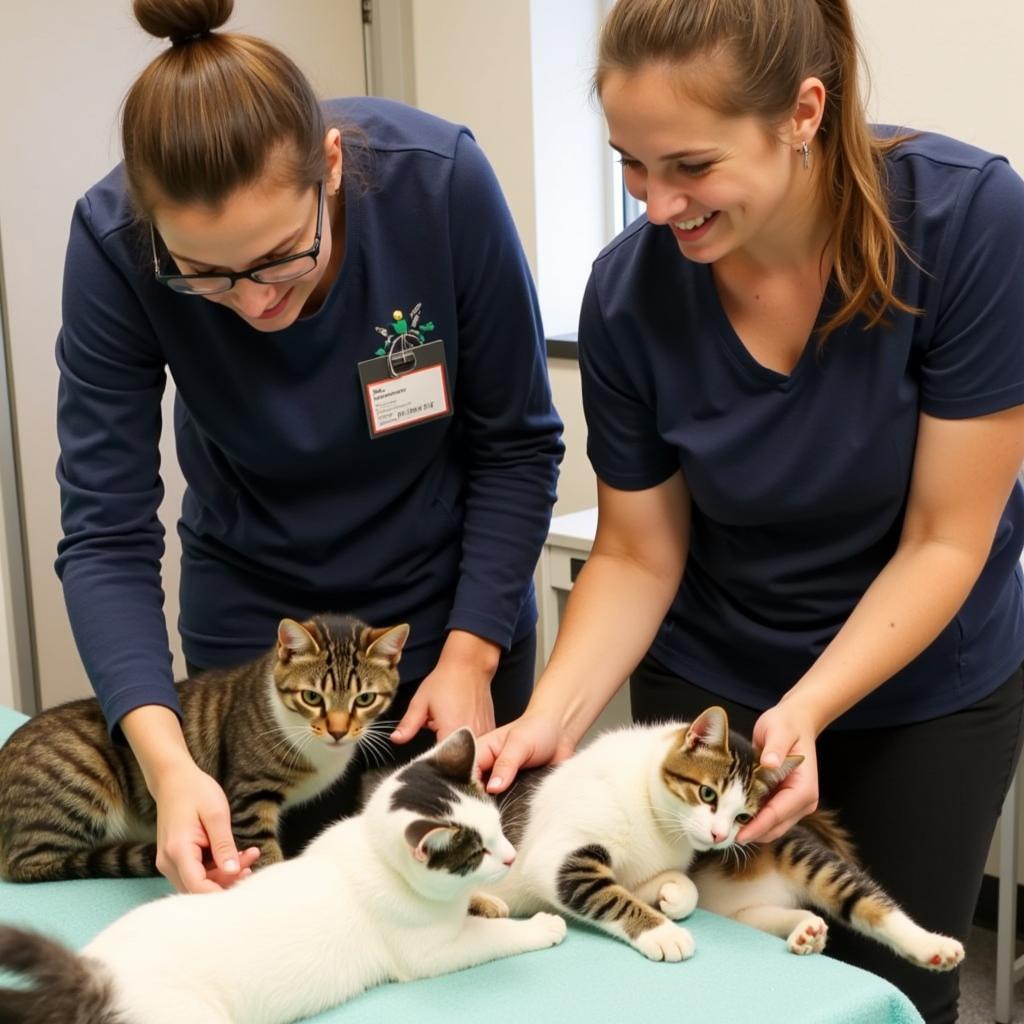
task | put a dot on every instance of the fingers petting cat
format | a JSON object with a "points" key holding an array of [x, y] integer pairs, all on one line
{"points": [[274, 732]]}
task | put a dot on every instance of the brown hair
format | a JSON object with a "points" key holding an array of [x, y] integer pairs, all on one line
{"points": [[209, 113], [774, 45]]}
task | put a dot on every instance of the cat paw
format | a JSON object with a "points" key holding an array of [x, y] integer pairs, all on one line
{"points": [[549, 929], [678, 898], [808, 936], [482, 904], [666, 942], [940, 953]]}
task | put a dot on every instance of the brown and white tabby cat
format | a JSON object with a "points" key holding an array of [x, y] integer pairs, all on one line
{"points": [[638, 828], [274, 732]]}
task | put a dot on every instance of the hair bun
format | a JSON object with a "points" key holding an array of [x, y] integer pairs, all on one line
{"points": [[179, 20]]}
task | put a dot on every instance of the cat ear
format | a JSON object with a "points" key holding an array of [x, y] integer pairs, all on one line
{"points": [[387, 643], [771, 777], [456, 756], [709, 729], [293, 638], [426, 837]]}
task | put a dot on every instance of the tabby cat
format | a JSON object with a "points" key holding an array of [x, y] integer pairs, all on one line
{"points": [[273, 733], [379, 897], [627, 833]]}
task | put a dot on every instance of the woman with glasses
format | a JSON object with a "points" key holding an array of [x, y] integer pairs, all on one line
{"points": [[362, 416]]}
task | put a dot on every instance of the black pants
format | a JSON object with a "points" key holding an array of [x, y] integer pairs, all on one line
{"points": [[510, 690], [921, 802]]}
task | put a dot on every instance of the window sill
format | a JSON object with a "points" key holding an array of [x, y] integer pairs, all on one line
{"points": [[562, 346]]}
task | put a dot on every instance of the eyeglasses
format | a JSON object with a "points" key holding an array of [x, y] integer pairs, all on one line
{"points": [[288, 268]]}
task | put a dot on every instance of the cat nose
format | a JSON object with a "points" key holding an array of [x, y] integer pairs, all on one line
{"points": [[337, 724], [510, 859], [717, 837]]}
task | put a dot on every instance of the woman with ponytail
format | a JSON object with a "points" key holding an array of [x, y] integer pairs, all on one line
{"points": [[288, 262], [803, 376]]}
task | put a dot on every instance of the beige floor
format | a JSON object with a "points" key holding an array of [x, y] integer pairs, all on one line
{"points": [[977, 981]]}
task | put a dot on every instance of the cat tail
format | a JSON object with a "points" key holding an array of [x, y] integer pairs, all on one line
{"points": [[825, 825], [118, 859], [61, 986]]}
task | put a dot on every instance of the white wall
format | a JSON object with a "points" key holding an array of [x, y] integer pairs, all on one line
{"points": [[7, 667], [472, 66], [518, 74], [949, 66], [572, 164]]}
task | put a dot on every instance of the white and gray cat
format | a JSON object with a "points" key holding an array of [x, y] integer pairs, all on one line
{"points": [[639, 828], [378, 897]]}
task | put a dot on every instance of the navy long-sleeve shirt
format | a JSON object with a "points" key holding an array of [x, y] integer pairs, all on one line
{"points": [[291, 507]]}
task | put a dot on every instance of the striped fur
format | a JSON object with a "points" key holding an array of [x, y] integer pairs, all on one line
{"points": [[587, 887], [63, 988], [273, 732], [814, 864], [632, 830]]}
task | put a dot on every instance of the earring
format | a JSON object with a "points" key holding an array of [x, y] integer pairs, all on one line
{"points": [[805, 153]]}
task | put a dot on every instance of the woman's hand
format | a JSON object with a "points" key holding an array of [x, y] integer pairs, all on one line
{"points": [[529, 741], [457, 693], [783, 730], [196, 851]]}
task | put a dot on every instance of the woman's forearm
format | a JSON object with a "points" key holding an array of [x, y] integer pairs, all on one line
{"points": [[614, 598], [910, 602], [154, 733]]}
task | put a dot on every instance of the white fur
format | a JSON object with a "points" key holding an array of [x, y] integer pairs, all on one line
{"points": [[356, 909], [611, 793], [927, 949], [727, 895]]}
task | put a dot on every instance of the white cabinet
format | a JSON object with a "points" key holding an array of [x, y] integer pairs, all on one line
{"points": [[569, 541]]}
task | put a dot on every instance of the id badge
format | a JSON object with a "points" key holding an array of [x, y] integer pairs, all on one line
{"points": [[406, 387]]}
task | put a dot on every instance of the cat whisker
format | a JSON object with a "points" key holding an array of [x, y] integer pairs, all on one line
{"points": [[513, 816], [298, 748], [283, 740], [378, 758], [290, 741], [376, 748], [277, 727], [743, 852], [510, 798], [383, 724], [376, 744]]}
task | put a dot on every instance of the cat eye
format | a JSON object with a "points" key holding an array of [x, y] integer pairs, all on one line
{"points": [[364, 700], [313, 698], [708, 794], [743, 817]]}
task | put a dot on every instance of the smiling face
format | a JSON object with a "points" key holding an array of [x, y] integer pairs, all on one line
{"points": [[266, 220], [722, 184]]}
